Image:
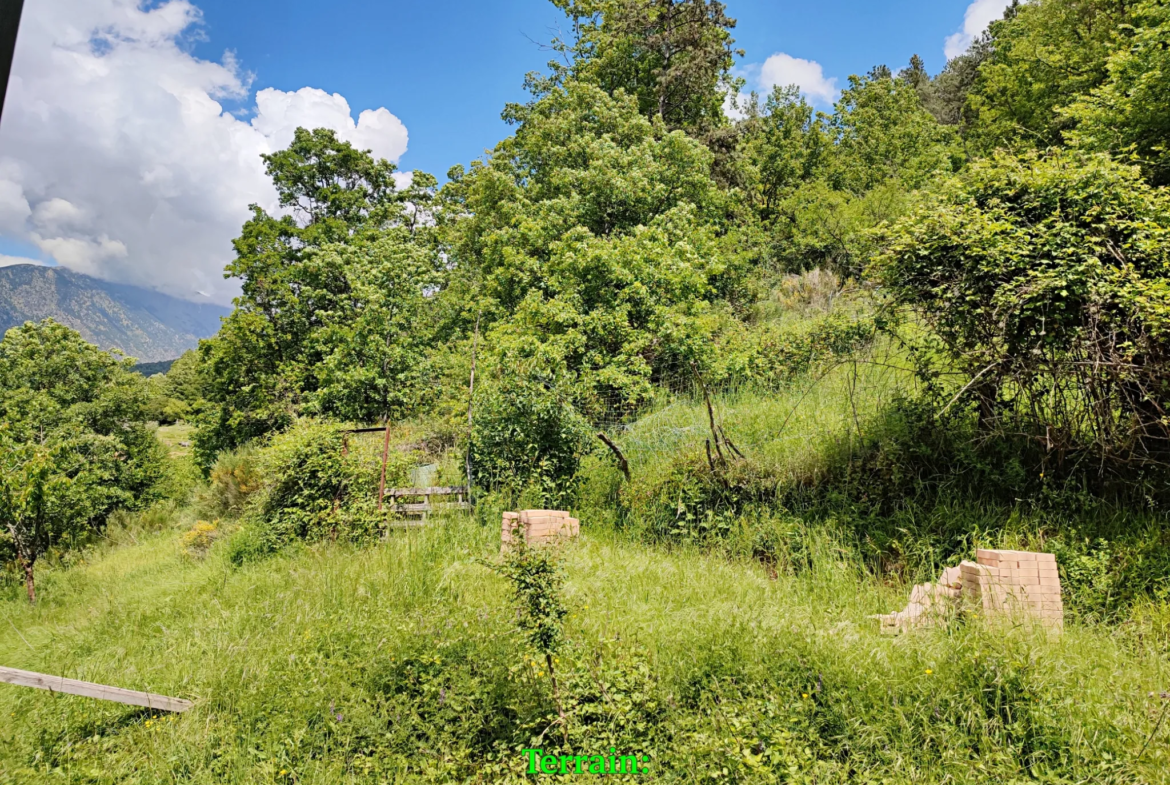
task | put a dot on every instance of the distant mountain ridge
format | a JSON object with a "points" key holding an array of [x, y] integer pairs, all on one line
{"points": [[147, 325]]}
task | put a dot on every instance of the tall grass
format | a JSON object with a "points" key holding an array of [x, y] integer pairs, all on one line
{"points": [[742, 654], [401, 663]]}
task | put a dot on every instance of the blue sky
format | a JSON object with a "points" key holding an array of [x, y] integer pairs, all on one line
{"points": [[132, 134], [447, 67]]}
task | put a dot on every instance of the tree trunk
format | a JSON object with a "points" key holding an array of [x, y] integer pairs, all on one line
{"points": [[29, 583]]}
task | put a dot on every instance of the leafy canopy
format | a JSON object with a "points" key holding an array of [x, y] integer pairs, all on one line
{"points": [[1127, 114], [328, 319], [74, 444], [593, 235]]}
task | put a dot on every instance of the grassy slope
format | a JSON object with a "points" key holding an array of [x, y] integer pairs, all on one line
{"points": [[399, 662], [322, 665]]}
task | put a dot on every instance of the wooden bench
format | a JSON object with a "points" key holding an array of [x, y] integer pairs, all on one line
{"points": [[416, 513]]}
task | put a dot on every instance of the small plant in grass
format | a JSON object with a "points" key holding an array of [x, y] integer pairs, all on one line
{"points": [[233, 480], [538, 580], [198, 541]]}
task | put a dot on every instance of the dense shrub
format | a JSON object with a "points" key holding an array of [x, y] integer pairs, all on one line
{"points": [[1043, 280], [74, 441], [771, 355], [527, 434], [234, 478], [315, 486]]}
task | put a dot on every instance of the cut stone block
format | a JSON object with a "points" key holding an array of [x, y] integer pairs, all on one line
{"points": [[538, 526]]}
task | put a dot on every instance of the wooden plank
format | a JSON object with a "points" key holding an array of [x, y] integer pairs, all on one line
{"points": [[440, 491], [421, 508], [87, 690]]}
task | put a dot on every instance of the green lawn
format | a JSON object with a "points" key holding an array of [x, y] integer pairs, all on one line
{"points": [[177, 439]]}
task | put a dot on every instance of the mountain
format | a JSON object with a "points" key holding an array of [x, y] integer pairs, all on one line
{"points": [[150, 369], [143, 324]]}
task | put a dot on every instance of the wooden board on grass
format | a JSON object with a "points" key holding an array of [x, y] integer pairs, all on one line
{"points": [[85, 689]]}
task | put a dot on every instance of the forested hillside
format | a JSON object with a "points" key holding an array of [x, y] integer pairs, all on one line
{"points": [[142, 324], [781, 363]]}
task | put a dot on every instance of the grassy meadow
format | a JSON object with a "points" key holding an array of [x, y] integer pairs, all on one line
{"points": [[721, 630], [400, 661]]}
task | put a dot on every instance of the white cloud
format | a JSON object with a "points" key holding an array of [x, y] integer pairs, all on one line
{"points": [[117, 157], [14, 208], [782, 70], [403, 180], [83, 255], [278, 114], [980, 14], [58, 215]]}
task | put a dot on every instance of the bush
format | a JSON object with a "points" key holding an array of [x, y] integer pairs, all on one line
{"points": [[526, 434], [1043, 281], [198, 540], [315, 488], [234, 478]]}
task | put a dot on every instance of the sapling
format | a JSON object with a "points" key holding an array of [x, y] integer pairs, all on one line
{"points": [[537, 586]]}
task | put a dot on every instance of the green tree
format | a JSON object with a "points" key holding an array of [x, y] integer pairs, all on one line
{"points": [[375, 362], [945, 95], [1043, 55], [673, 56], [593, 236], [309, 279], [790, 146], [883, 134], [823, 182], [74, 444], [54, 492], [1128, 112], [528, 434]]}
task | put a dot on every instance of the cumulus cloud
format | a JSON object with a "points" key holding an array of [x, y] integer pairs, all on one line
{"points": [[117, 157], [782, 70], [278, 114], [980, 14]]}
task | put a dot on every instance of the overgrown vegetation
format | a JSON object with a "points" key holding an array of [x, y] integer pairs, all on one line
{"points": [[829, 353]]}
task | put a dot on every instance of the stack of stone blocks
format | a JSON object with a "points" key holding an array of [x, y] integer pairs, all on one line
{"points": [[1016, 585], [536, 527]]}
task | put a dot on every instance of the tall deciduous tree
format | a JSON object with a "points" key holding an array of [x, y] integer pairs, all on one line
{"points": [[674, 56], [1130, 112], [1043, 55], [306, 284], [790, 146], [593, 231], [883, 134]]}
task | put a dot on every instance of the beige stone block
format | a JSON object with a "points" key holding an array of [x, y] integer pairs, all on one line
{"points": [[528, 514], [951, 576]]}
